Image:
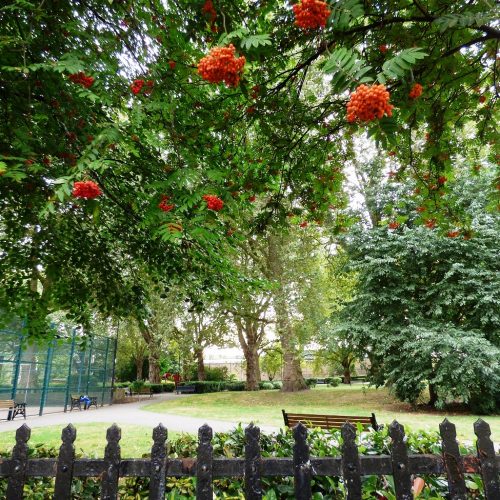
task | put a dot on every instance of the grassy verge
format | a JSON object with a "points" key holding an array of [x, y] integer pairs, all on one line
{"points": [[264, 407], [91, 439]]}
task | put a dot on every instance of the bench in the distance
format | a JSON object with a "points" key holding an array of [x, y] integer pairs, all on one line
{"points": [[13, 407], [185, 389], [76, 402], [328, 421]]}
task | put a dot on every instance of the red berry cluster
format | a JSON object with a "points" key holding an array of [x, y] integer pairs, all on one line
{"points": [[416, 91], [220, 65], [172, 64], [86, 189], [213, 202], [136, 86], [82, 79], [209, 10], [164, 205], [453, 234], [393, 225], [311, 14], [368, 103], [383, 48]]}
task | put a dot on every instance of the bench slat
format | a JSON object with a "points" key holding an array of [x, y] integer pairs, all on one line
{"points": [[7, 404]]}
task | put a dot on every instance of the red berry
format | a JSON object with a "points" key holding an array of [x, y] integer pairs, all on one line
{"points": [[213, 202], [221, 65], [311, 14], [86, 190], [368, 103]]}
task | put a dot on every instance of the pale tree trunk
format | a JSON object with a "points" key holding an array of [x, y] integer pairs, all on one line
{"points": [[154, 353], [249, 341], [139, 364], [154, 367], [200, 363], [293, 380]]}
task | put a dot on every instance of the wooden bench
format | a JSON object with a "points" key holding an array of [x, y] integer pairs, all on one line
{"points": [[14, 408], [185, 389], [77, 403], [329, 421]]}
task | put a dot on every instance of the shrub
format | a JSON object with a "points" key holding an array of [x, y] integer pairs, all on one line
{"points": [[216, 374], [235, 386], [168, 386], [278, 384], [266, 386], [155, 388], [311, 382], [334, 381], [137, 385], [203, 387], [122, 385]]}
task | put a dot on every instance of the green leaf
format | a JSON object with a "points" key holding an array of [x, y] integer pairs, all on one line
{"points": [[345, 68], [255, 41], [397, 66], [345, 12], [449, 21]]}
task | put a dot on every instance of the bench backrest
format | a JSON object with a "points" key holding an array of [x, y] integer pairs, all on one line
{"points": [[6, 403], [328, 421]]}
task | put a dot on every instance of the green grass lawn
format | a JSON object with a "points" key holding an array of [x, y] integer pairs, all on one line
{"points": [[264, 407], [91, 439]]}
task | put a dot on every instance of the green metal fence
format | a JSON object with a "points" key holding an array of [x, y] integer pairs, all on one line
{"points": [[44, 376]]}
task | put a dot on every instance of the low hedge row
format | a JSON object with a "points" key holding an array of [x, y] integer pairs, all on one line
{"points": [[156, 388]]}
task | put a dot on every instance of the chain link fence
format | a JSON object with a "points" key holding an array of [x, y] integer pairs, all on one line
{"points": [[46, 375]]}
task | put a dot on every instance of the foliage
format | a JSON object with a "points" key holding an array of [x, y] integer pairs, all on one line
{"points": [[203, 386], [271, 362], [426, 308], [266, 386], [333, 381], [231, 444], [280, 138]]}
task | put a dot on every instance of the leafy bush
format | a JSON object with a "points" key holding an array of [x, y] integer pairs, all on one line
{"points": [[216, 374], [334, 381], [231, 444], [235, 386], [278, 384], [137, 385], [205, 386], [266, 386], [168, 386], [122, 385], [155, 388], [311, 382]]}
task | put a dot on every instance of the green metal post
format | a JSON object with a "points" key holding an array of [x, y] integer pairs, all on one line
{"points": [[105, 368], [90, 364], [46, 378], [114, 366], [70, 365], [15, 376]]}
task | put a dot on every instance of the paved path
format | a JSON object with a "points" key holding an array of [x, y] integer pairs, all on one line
{"points": [[128, 413]]}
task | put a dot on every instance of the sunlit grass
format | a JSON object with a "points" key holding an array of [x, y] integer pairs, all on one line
{"points": [[91, 438], [264, 408]]}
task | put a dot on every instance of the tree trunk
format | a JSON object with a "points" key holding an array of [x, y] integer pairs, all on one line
{"points": [[252, 369], [154, 367], [347, 375], [200, 364], [248, 337], [293, 380], [139, 364], [433, 395]]}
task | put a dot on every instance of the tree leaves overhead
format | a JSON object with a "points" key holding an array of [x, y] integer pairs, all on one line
{"points": [[347, 69], [344, 12], [403, 62]]}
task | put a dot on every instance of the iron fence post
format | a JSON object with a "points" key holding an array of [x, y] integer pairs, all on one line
{"points": [[105, 369], [70, 365], [48, 368]]}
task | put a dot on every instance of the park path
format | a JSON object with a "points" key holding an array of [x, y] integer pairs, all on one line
{"points": [[127, 413]]}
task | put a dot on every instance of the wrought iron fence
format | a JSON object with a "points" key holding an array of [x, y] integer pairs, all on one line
{"points": [[252, 467], [45, 375]]}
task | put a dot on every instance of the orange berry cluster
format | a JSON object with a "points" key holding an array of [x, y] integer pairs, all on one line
{"points": [[213, 202], [209, 10], [82, 79], [220, 65], [136, 86], [416, 91], [164, 205], [311, 14], [86, 189], [393, 224], [368, 103]]}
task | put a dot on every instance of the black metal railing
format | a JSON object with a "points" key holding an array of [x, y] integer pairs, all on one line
{"points": [[351, 466]]}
